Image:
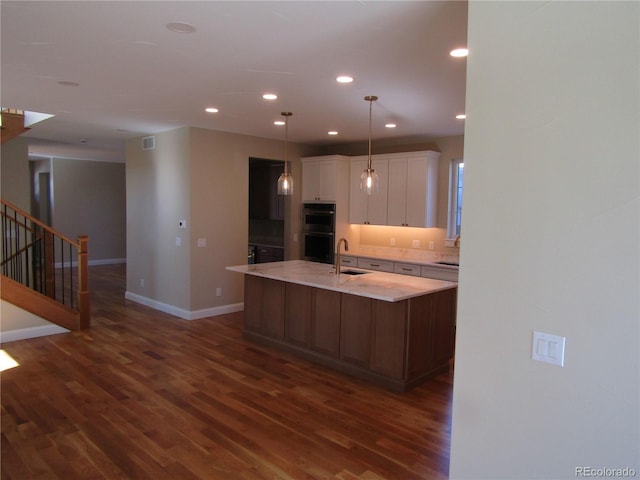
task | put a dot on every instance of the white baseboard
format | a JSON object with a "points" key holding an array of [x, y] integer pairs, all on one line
{"points": [[182, 313], [31, 332], [107, 261], [92, 263]]}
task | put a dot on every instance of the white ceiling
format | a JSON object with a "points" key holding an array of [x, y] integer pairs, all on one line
{"points": [[137, 77]]}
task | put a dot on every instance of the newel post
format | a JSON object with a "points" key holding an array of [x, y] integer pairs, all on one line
{"points": [[84, 302]]}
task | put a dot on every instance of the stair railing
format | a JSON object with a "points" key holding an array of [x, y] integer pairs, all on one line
{"points": [[42, 259]]}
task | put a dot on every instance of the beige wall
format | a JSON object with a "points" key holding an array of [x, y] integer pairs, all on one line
{"points": [[158, 196], [89, 199], [551, 242], [202, 176], [14, 162]]}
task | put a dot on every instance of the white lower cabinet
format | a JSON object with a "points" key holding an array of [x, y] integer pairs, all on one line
{"points": [[439, 273], [407, 269], [373, 264]]}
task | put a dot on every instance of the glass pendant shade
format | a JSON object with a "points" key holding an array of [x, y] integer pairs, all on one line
{"points": [[369, 183], [285, 181]]}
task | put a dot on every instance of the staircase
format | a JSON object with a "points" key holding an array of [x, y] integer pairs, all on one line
{"points": [[42, 271], [12, 124]]}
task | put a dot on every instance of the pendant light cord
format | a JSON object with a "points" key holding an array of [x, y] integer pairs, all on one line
{"points": [[370, 99], [286, 116]]}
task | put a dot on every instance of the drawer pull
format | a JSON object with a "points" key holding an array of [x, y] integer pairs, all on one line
{"points": [[375, 264], [407, 269]]}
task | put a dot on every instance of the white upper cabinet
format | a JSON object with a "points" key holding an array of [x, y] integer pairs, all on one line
{"points": [[368, 209], [319, 178], [412, 190]]}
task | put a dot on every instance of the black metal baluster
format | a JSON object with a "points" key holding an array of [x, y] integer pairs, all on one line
{"points": [[27, 265], [62, 271], [70, 275]]}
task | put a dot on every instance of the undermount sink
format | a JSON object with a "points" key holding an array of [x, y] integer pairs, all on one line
{"points": [[352, 272]]}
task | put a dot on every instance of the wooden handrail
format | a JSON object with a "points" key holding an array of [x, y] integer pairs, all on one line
{"points": [[39, 223], [20, 252]]}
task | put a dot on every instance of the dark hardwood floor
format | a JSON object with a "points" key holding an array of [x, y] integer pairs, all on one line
{"points": [[144, 395]]}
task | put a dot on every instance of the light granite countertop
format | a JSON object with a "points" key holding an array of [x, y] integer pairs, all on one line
{"points": [[390, 287]]}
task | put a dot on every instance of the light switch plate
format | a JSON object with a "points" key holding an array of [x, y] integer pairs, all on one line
{"points": [[202, 242], [548, 348]]}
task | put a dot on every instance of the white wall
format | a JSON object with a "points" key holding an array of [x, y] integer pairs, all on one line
{"points": [[550, 241]]}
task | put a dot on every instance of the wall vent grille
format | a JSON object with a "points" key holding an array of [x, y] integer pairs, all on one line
{"points": [[148, 143]]}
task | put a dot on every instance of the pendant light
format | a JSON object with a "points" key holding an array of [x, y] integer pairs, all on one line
{"points": [[369, 183], [285, 181]]}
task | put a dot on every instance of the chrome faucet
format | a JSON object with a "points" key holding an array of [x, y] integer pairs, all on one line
{"points": [[346, 249]]}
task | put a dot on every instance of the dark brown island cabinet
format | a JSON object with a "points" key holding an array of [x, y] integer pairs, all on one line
{"points": [[396, 345]]}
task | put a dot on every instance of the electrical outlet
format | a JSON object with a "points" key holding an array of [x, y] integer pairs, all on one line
{"points": [[178, 241], [202, 242], [218, 292], [432, 245], [142, 282], [416, 243], [392, 242]]}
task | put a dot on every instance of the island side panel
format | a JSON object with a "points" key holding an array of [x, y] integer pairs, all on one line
{"points": [[253, 295], [443, 327], [325, 322], [355, 330], [298, 312], [389, 338], [273, 312]]}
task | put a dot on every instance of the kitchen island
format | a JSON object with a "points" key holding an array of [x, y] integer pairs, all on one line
{"points": [[394, 330]]}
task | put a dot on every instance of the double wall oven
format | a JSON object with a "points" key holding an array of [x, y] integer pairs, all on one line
{"points": [[318, 231]]}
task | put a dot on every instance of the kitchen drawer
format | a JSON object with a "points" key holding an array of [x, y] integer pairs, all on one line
{"points": [[439, 273], [407, 269], [371, 264], [349, 261]]}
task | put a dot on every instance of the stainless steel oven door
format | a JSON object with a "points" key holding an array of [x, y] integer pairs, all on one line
{"points": [[318, 247], [318, 218]]}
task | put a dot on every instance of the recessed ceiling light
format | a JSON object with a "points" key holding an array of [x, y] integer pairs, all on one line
{"points": [[462, 116], [459, 52], [211, 110], [344, 79], [68, 84], [180, 27], [391, 125], [279, 122], [269, 96], [332, 132]]}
